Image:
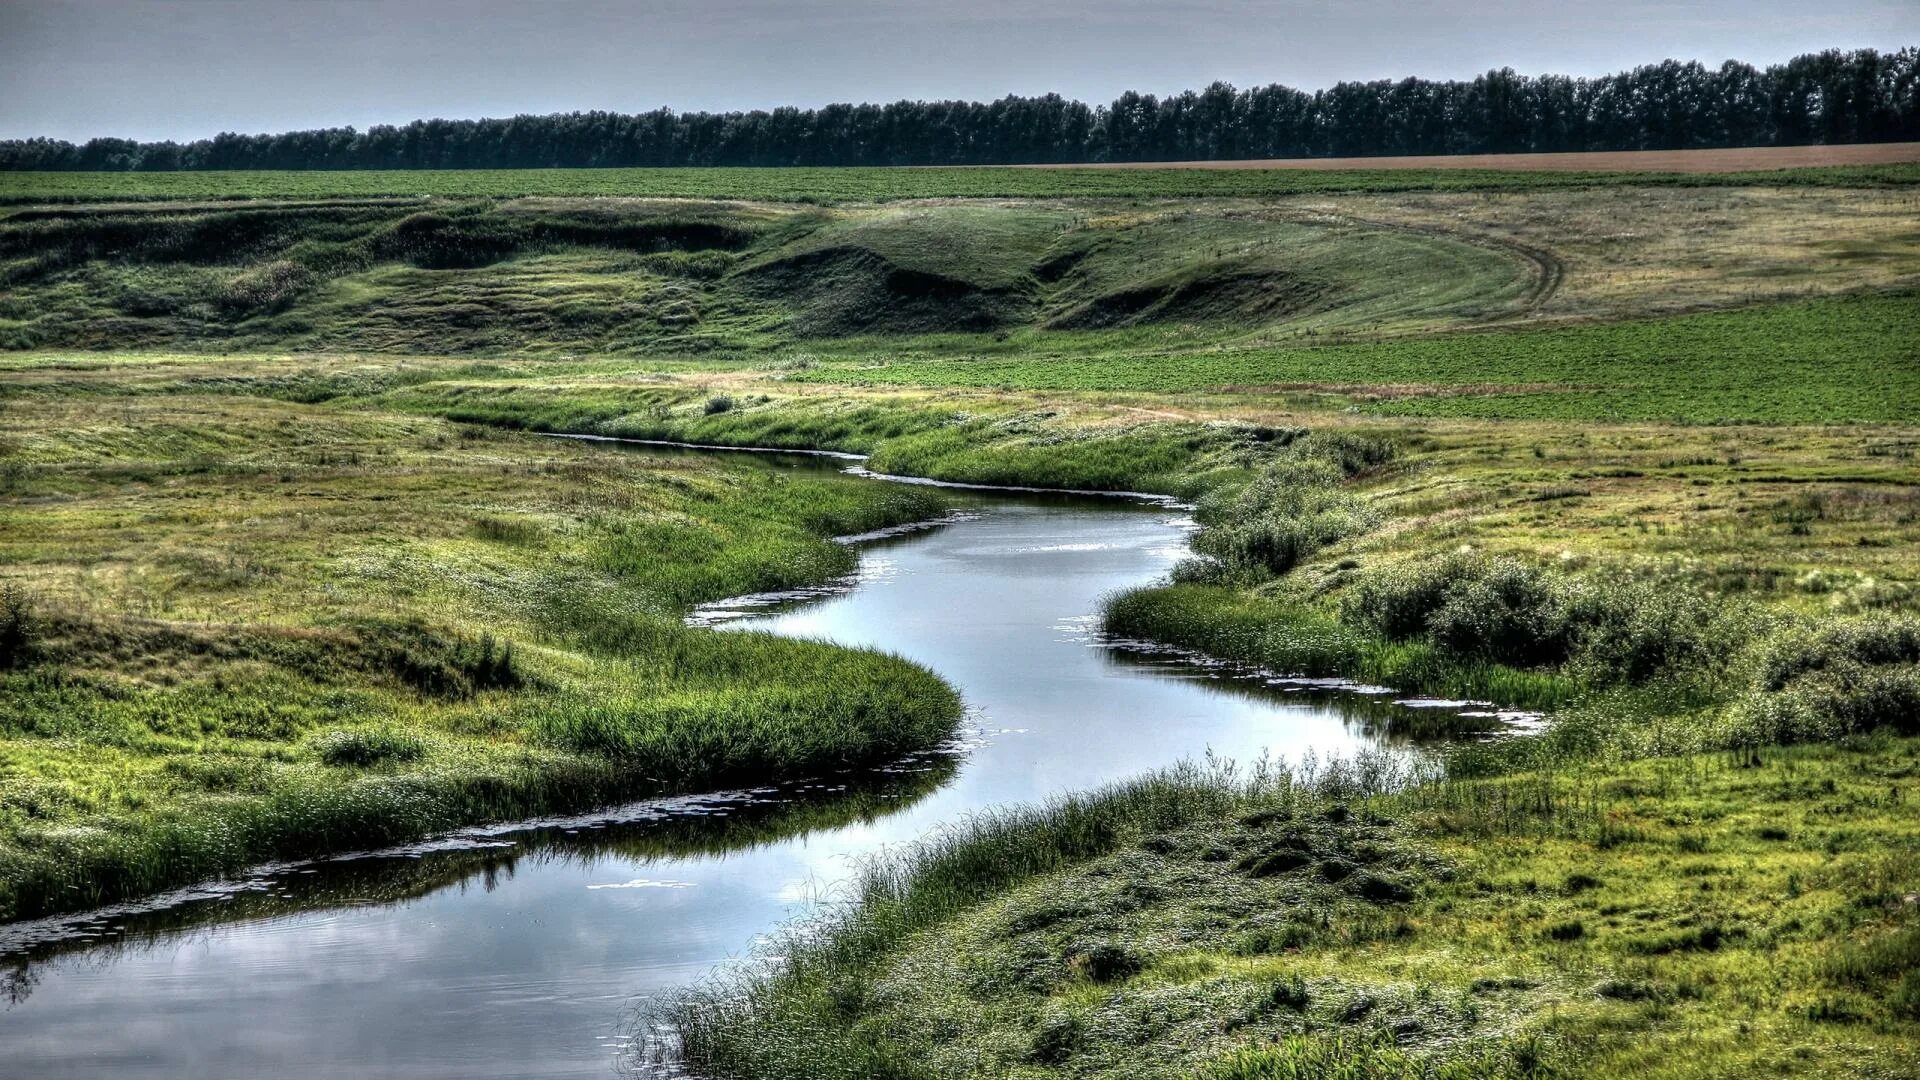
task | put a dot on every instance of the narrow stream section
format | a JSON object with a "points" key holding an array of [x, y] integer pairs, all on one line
{"points": [[530, 950]]}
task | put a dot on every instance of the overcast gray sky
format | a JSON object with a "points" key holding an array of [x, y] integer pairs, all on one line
{"points": [[184, 69]]}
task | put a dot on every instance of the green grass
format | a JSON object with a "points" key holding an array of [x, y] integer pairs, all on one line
{"points": [[1290, 639], [1672, 917], [1818, 361], [250, 629], [862, 184]]}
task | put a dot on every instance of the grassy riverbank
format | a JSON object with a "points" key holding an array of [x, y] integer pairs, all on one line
{"points": [[1701, 867], [1712, 915], [240, 629]]}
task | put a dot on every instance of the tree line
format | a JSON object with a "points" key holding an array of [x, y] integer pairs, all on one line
{"points": [[1826, 97]]}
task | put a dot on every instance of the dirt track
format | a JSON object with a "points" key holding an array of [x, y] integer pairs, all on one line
{"points": [[1740, 159]]}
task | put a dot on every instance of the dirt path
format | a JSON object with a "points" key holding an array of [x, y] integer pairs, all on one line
{"points": [[1736, 159]]}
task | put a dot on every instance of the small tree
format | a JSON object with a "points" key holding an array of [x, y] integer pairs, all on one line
{"points": [[16, 626]]}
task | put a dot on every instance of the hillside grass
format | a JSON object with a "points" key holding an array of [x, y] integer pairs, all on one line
{"points": [[826, 185], [240, 629], [1030, 292], [683, 278]]}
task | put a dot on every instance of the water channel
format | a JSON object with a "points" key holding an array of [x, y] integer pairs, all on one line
{"points": [[530, 950]]}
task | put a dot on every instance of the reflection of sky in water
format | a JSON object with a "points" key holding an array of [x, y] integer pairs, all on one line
{"points": [[540, 974]]}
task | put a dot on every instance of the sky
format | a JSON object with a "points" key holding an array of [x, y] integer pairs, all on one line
{"points": [[186, 69]]}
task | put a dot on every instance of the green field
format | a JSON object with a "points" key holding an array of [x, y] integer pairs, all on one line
{"points": [[862, 184], [1855, 359]]}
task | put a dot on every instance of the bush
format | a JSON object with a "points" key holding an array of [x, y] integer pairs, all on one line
{"points": [[1634, 630], [1618, 630], [1397, 602], [1511, 613], [719, 403], [363, 747], [1492, 609], [1295, 508], [18, 627], [1843, 678]]}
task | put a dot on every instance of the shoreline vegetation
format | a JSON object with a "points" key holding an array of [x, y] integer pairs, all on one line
{"points": [[1639, 454], [356, 630]]}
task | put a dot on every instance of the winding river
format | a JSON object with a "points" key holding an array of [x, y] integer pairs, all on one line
{"points": [[532, 950]]}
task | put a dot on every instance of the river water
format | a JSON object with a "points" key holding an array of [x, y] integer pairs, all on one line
{"points": [[534, 950]]}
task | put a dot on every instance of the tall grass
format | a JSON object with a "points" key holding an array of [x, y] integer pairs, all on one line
{"points": [[423, 631], [797, 1017], [1295, 639]]}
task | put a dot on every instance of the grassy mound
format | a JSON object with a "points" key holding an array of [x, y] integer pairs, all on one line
{"points": [[841, 291]]}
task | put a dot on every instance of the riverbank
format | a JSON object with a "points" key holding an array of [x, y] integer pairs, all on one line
{"points": [[1694, 916], [239, 630], [1699, 866]]}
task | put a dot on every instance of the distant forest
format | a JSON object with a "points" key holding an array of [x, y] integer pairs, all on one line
{"points": [[1827, 97]]}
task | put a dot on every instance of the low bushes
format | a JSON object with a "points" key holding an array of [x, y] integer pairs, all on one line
{"points": [[1826, 682], [1268, 527], [1618, 629], [1295, 507], [18, 627]]}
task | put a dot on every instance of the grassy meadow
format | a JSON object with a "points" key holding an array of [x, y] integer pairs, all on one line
{"points": [[288, 568], [239, 629]]}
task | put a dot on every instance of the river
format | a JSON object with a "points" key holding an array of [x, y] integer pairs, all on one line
{"points": [[533, 950]]}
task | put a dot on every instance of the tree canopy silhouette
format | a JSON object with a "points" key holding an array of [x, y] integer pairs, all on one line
{"points": [[1826, 97]]}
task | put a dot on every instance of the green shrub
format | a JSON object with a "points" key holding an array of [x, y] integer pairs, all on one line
{"points": [[1510, 613], [1293, 509], [1620, 629], [1636, 629], [363, 747], [1398, 601], [1841, 678], [717, 404], [18, 627]]}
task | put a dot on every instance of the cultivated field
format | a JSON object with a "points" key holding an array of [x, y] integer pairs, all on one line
{"points": [[859, 184], [1729, 160]]}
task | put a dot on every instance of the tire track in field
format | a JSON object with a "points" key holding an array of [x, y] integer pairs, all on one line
{"points": [[1547, 269]]}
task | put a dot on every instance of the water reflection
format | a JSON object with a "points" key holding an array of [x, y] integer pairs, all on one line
{"points": [[635, 836]]}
